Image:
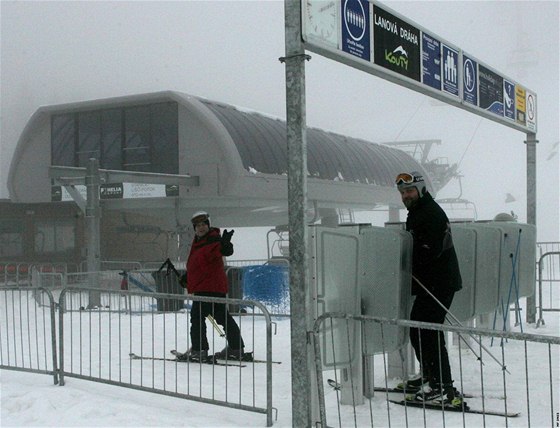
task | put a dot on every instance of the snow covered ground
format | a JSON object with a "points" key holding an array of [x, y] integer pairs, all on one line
{"points": [[29, 399]]}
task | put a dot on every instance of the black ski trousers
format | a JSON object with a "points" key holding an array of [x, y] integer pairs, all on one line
{"points": [[429, 345], [218, 311]]}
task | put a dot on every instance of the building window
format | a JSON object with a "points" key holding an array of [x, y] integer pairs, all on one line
{"points": [[89, 137], [136, 150], [134, 138], [63, 140], [11, 238], [55, 236], [165, 137], [111, 139]]}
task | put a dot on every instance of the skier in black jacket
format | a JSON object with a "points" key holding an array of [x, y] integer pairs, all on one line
{"points": [[435, 266]]}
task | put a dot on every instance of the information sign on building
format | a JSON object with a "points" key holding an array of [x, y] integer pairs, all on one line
{"points": [[356, 28], [520, 105], [470, 80], [431, 61], [396, 44], [369, 36], [509, 99], [111, 191], [490, 91], [450, 59], [119, 191], [532, 111]]}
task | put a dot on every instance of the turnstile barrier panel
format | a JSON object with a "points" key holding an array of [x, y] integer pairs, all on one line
{"points": [[487, 270], [518, 260], [334, 285], [464, 240], [385, 280]]}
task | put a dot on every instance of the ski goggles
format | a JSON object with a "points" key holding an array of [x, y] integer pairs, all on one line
{"points": [[406, 178], [200, 219]]}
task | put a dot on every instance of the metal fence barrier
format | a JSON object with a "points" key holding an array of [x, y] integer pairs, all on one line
{"points": [[28, 330], [526, 381], [126, 340], [21, 273], [548, 272]]}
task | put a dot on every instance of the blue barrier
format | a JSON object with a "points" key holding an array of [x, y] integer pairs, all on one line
{"points": [[266, 284]]}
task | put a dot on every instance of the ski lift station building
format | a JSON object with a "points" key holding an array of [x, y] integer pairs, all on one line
{"points": [[162, 156]]}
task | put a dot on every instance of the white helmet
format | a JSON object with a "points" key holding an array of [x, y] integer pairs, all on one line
{"points": [[199, 217], [413, 179]]}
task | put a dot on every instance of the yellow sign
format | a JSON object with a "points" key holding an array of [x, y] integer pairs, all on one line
{"points": [[520, 107]]}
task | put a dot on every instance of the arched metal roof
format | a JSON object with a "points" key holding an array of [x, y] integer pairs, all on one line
{"points": [[261, 142]]}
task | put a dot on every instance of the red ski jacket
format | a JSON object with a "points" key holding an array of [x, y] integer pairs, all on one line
{"points": [[205, 266]]}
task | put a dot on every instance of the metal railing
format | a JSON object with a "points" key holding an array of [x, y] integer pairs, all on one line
{"points": [[28, 331], [21, 273], [529, 393], [115, 345], [548, 272]]}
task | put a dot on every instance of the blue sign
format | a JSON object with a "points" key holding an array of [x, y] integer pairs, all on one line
{"points": [[450, 58], [431, 61], [509, 100], [355, 28], [470, 78]]}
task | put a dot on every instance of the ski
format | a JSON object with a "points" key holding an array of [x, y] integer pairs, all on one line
{"points": [[134, 356], [334, 384], [247, 357], [401, 391], [433, 405], [389, 390], [211, 360]]}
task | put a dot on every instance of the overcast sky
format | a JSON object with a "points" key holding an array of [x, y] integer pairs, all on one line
{"points": [[65, 51]]}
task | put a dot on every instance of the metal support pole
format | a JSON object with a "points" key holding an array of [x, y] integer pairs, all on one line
{"points": [[297, 203], [531, 143], [93, 216]]}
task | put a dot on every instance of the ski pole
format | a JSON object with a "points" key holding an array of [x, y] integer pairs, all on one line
{"points": [[459, 323], [216, 326], [170, 266]]}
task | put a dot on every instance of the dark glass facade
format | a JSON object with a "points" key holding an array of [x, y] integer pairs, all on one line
{"points": [[55, 236], [131, 138], [11, 237]]}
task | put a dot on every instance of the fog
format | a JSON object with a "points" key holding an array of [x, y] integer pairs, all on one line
{"points": [[59, 52]]}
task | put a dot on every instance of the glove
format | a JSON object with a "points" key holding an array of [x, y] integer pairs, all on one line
{"points": [[226, 236], [227, 246], [183, 280]]}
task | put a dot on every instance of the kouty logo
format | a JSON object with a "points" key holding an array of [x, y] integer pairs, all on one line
{"points": [[398, 57]]}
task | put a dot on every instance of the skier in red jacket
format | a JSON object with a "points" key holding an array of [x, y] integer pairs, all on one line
{"points": [[206, 277]]}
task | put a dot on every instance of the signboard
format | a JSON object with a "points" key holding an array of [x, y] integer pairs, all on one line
{"points": [[119, 191], [509, 99], [356, 28], [111, 191], [532, 111], [59, 193], [431, 61], [396, 44], [490, 90], [520, 105], [384, 43], [470, 80], [450, 70]]}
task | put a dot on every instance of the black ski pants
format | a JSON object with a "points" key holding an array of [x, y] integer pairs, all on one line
{"points": [[429, 345], [218, 311]]}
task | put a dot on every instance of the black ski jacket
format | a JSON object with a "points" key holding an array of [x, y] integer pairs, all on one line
{"points": [[434, 260]]}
